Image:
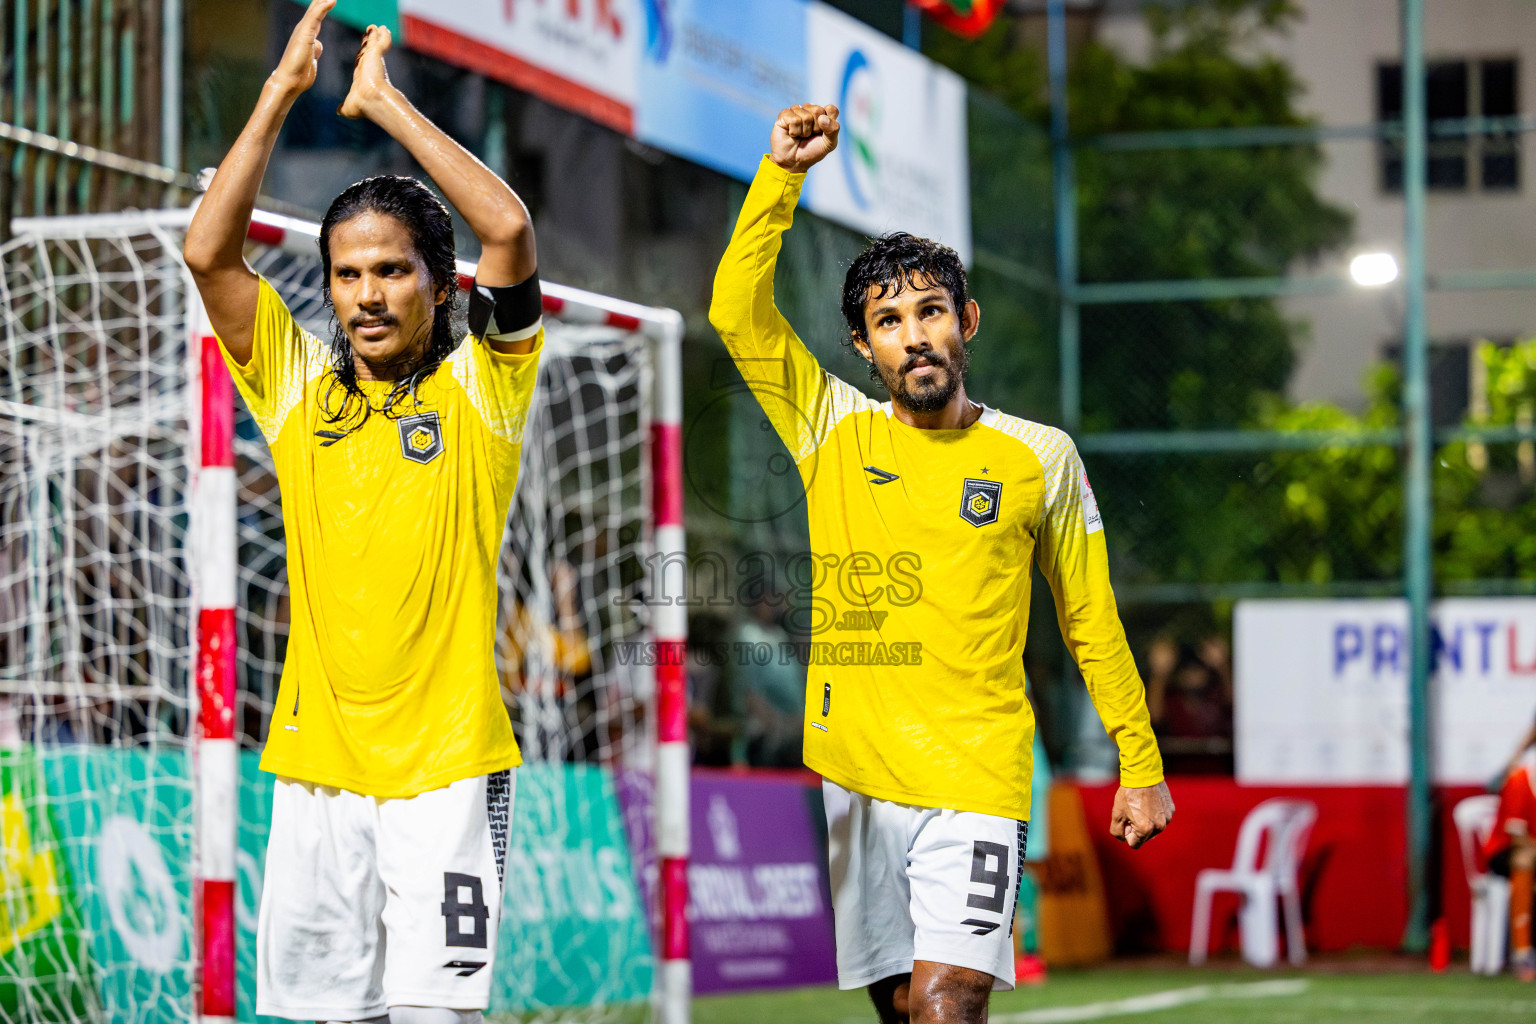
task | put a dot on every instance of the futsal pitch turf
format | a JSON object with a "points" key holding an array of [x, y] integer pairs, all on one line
{"points": [[1165, 996]]}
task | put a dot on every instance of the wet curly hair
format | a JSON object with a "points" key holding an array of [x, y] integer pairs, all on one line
{"points": [[890, 263]]}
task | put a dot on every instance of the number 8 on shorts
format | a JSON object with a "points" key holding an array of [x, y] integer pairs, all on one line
{"points": [[428, 868]]}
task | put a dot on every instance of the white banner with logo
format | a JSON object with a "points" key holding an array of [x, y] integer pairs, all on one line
{"points": [[580, 54], [1322, 689], [715, 73], [902, 162], [704, 78]]}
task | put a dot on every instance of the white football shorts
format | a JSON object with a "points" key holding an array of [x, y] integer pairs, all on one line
{"points": [[370, 903], [917, 883]]}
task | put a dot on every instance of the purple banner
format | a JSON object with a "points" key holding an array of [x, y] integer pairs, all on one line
{"points": [[761, 912]]}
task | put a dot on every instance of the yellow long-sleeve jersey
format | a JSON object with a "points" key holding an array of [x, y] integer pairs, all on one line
{"points": [[389, 686], [922, 541]]}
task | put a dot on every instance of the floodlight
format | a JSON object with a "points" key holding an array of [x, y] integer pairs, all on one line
{"points": [[1373, 269]]}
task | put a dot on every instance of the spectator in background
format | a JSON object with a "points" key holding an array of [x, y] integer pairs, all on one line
{"points": [[1189, 695], [770, 688], [1511, 852], [711, 725], [529, 634], [544, 656]]}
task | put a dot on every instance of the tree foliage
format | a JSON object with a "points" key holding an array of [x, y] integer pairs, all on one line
{"points": [[1336, 513], [1178, 214], [1183, 213], [1485, 518]]}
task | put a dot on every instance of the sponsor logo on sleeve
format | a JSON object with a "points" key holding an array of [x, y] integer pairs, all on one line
{"points": [[1092, 521]]}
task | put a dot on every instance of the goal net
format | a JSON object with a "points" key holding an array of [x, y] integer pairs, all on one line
{"points": [[95, 640], [98, 630]]}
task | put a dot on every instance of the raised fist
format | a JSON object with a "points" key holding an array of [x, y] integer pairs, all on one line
{"points": [[803, 135]]}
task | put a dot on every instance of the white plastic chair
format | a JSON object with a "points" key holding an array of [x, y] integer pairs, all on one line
{"points": [[1474, 819], [1264, 872]]}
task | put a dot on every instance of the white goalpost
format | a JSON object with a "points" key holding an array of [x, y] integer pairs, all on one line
{"points": [[143, 619]]}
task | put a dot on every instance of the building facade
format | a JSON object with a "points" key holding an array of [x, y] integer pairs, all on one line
{"points": [[1481, 55]]}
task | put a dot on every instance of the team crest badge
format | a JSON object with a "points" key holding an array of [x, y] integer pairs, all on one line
{"points": [[980, 501], [421, 437]]}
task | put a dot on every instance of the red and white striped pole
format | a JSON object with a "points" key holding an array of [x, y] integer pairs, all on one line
{"points": [[216, 753], [670, 626]]}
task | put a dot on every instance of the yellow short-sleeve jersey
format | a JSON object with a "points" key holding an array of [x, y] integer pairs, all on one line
{"points": [[921, 544], [394, 530]]}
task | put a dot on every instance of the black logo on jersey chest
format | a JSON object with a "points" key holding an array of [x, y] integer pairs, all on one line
{"points": [[980, 501], [421, 437]]}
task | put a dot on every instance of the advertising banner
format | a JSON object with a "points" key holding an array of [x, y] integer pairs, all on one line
{"points": [[704, 78], [762, 912], [44, 969], [1322, 689], [119, 947], [901, 163], [577, 54], [127, 814], [715, 73], [573, 929], [761, 908]]}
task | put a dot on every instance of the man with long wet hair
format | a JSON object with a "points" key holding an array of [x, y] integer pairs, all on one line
{"points": [[396, 447]]}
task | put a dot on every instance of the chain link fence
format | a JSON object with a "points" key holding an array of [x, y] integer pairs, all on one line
{"points": [[1239, 400]]}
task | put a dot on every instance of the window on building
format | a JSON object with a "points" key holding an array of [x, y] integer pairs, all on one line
{"points": [[1455, 90], [1457, 387], [1499, 97]]}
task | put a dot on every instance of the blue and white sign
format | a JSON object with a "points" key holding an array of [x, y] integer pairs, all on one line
{"points": [[902, 163], [705, 78], [1322, 689], [715, 73]]}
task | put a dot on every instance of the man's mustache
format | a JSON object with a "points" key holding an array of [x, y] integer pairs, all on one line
{"points": [[931, 357], [372, 320]]}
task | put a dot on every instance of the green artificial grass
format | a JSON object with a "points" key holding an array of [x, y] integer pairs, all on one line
{"points": [[1331, 995]]}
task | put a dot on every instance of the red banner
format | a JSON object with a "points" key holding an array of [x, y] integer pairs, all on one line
{"points": [[1353, 876], [969, 18]]}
